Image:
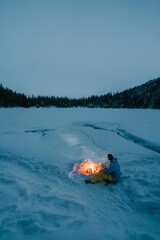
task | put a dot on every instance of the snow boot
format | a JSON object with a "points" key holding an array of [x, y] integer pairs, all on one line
{"points": [[87, 181]]}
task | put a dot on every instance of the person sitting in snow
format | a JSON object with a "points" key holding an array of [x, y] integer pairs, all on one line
{"points": [[110, 174]]}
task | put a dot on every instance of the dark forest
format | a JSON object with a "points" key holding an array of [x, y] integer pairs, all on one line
{"points": [[146, 95]]}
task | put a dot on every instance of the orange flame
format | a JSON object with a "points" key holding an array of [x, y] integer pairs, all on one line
{"points": [[87, 167]]}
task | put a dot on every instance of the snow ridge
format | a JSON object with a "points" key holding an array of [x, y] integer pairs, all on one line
{"points": [[128, 136]]}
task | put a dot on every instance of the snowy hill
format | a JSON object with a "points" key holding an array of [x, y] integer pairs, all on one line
{"points": [[40, 200]]}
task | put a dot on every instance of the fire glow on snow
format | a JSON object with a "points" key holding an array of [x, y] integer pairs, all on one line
{"points": [[87, 167]]}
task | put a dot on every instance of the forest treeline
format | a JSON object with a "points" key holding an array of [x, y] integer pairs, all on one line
{"points": [[146, 95]]}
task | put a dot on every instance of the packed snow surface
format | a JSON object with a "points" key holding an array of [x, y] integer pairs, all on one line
{"points": [[40, 200]]}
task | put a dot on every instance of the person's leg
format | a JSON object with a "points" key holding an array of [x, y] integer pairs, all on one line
{"points": [[100, 176], [96, 178], [107, 177]]}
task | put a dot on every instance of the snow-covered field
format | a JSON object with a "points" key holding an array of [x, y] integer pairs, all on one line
{"points": [[40, 201]]}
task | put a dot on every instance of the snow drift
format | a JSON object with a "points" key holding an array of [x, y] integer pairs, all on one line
{"points": [[38, 198]]}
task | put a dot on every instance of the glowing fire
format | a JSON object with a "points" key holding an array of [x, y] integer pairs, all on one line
{"points": [[87, 167]]}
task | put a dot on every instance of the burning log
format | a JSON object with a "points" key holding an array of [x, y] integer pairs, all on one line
{"points": [[87, 167]]}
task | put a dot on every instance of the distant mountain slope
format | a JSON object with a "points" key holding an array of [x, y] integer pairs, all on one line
{"points": [[8, 98], [146, 95]]}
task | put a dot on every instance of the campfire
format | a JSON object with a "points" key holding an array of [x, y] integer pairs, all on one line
{"points": [[87, 167]]}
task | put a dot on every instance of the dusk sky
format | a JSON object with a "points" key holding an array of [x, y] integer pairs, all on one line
{"points": [[78, 48]]}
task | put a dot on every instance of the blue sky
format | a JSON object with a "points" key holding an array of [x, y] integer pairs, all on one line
{"points": [[77, 48]]}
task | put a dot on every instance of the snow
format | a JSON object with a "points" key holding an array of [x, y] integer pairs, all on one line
{"points": [[38, 198]]}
